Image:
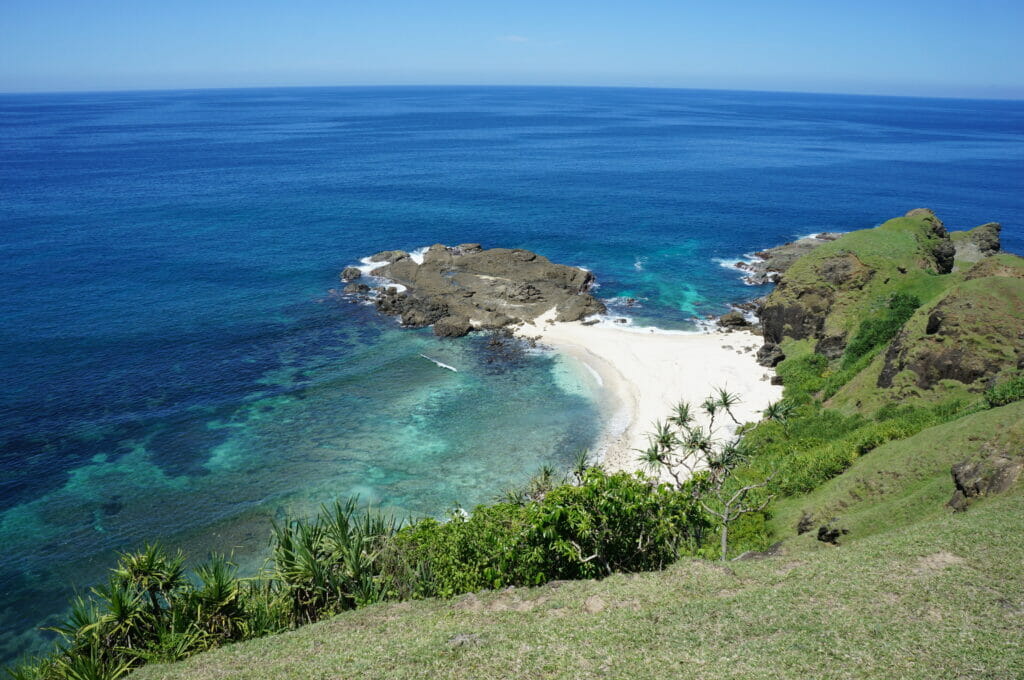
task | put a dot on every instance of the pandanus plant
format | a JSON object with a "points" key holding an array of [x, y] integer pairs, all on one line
{"points": [[692, 455], [332, 563]]}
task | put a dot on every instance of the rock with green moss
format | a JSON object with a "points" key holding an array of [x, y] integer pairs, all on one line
{"points": [[973, 334], [824, 295], [976, 244]]}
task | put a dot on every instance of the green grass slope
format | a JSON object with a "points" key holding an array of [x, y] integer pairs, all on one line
{"points": [[968, 337], [913, 591], [901, 482], [941, 599]]}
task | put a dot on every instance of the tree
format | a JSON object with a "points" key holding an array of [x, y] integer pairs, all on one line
{"points": [[693, 454]]}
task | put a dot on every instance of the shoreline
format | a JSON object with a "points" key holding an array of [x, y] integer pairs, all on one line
{"points": [[642, 375]]}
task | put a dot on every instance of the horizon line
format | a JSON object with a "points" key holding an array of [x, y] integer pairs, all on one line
{"points": [[154, 90]]}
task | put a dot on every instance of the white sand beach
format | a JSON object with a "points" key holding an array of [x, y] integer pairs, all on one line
{"points": [[646, 372]]}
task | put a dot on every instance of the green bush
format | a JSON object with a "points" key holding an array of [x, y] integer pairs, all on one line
{"points": [[877, 331], [1010, 391], [802, 377], [606, 524], [152, 610]]}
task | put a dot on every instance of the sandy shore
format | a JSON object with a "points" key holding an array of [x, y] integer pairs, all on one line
{"points": [[644, 373]]}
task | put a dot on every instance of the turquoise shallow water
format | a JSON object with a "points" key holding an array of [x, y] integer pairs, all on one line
{"points": [[174, 366]]}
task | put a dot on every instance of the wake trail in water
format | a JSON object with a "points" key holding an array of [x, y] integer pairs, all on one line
{"points": [[440, 363]]}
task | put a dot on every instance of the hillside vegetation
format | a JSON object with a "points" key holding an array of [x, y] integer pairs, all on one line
{"points": [[881, 523], [913, 591]]}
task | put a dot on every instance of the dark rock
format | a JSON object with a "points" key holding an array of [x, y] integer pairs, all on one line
{"points": [[831, 347], [776, 380], [733, 319], [830, 533], [944, 253], [389, 256], [390, 301], [579, 306], [491, 288], [805, 318], [994, 474], [419, 312], [934, 322], [770, 355], [350, 274], [773, 550], [452, 327], [353, 288], [805, 523]]}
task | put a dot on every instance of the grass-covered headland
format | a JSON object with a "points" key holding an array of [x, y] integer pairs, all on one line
{"points": [[877, 512]]}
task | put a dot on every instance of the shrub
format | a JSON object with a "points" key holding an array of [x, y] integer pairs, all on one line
{"points": [[1007, 392], [879, 330], [802, 376], [607, 523]]}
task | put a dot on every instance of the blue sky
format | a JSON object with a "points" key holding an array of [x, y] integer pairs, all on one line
{"points": [[912, 47]]}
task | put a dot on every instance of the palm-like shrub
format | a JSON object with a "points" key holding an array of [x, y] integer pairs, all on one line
{"points": [[331, 563]]}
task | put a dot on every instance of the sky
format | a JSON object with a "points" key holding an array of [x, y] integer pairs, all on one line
{"points": [[943, 48]]}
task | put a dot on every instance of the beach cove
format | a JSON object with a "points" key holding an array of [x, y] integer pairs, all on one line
{"points": [[644, 372]]}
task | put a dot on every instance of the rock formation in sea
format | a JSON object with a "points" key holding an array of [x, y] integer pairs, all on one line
{"points": [[460, 288], [772, 263]]}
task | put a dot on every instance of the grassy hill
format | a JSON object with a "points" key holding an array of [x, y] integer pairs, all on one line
{"points": [[913, 591]]}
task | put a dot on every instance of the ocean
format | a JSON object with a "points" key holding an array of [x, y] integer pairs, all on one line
{"points": [[175, 366]]}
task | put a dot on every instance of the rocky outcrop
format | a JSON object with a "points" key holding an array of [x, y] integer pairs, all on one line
{"points": [[971, 335], [733, 319], [825, 293], [771, 263], [976, 244], [941, 247], [350, 274], [770, 355], [996, 473], [462, 287]]}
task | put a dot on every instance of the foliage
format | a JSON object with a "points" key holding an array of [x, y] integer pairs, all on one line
{"points": [[700, 461], [1006, 392], [606, 523], [153, 610], [331, 563], [876, 331], [802, 376]]}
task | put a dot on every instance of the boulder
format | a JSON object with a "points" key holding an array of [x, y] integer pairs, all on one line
{"points": [[389, 256], [351, 274], [733, 319], [770, 355], [452, 327], [996, 473], [355, 288], [577, 307]]}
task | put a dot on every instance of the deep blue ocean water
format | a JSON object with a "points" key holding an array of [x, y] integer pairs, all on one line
{"points": [[174, 366]]}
